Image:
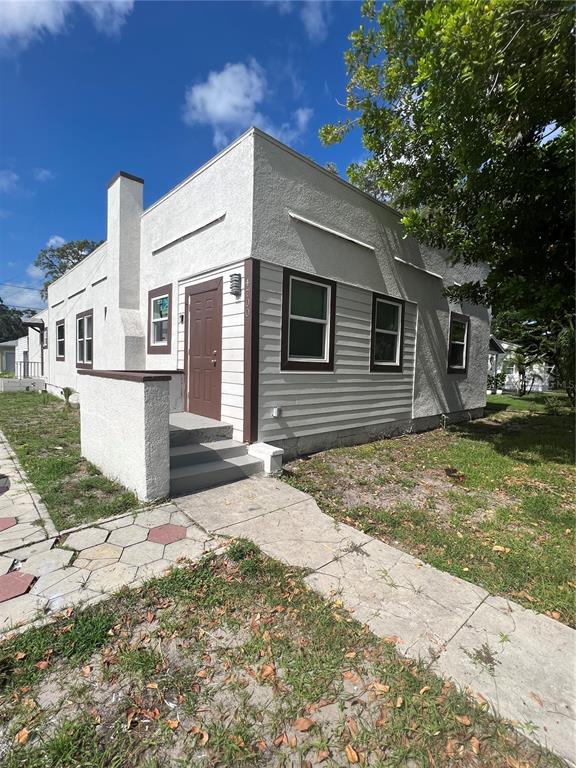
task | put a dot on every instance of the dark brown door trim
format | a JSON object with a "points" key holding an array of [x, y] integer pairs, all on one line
{"points": [[209, 285], [251, 348]]}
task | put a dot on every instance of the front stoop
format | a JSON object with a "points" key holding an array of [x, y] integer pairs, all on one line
{"points": [[203, 454]]}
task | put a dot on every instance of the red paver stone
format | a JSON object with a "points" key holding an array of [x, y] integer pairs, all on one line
{"points": [[167, 533], [7, 522], [14, 584]]}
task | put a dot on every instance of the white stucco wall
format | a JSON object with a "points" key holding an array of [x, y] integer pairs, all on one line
{"points": [[197, 231], [286, 183], [125, 432]]}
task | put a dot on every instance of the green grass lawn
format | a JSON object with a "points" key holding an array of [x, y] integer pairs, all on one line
{"points": [[233, 662], [45, 435], [491, 501]]}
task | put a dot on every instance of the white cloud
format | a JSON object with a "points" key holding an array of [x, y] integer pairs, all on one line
{"points": [[314, 14], [229, 101], [109, 16], [55, 241], [26, 298], [35, 272], [23, 21], [43, 174], [8, 179]]}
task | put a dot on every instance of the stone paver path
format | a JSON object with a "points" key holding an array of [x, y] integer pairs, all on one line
{"points": [[521, 662], [24, 519]]}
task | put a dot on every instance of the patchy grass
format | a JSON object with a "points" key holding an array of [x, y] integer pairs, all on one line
{"points": [[45, 435], [229, 665], [491, 501]]}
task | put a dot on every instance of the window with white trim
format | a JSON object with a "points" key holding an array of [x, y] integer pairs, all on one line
{"points": [[387, 329], [309, 321], [84, 339], [60, 340], [458, 343], [160, 313]]}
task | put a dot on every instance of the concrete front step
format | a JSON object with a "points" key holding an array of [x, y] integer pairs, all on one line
{"points": [[200, 453], [189, 429], [207, 474]]}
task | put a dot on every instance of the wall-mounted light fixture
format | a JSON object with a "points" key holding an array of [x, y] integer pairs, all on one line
{"points": [[235, 284]]}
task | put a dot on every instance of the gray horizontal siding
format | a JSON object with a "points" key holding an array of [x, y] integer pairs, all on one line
{"points": [[351, 396]]}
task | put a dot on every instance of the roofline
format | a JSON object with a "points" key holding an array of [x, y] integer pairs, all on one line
{"points": [[200, 170], [318, 167], [76, 265]]}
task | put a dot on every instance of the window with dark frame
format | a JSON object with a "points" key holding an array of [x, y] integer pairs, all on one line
{"points": [[387, 333], [308, 318], [84, 339], [60, 340], [160, 320], [458, 343]]}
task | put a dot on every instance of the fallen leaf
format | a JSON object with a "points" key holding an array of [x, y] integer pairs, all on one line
{"points": [[262, 746], [267, 670], [41, 665], [536, 698], [280, 740], [352, 726], [203, 735], [130, 715], [350, 654], [392, 639], [499, 548], [351, 754], [20, 655], [383, 718], [304, 724], [423, 690], [399, 702], [324, 754], [86, 670], [293, 742], [22, 736], [379, 688], [172, 724], [474, 745], [152, 686], [463, 719]]}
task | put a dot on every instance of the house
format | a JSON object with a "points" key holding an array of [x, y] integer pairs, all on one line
{"points": [[265, 306], [504, 366], [7, 356]]}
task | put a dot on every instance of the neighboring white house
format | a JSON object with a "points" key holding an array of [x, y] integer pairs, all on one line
{"points": [[8, 356], [501, 360], [267, 294]]}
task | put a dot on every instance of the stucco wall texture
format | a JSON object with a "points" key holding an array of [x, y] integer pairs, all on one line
{"points": [[248, 202]]}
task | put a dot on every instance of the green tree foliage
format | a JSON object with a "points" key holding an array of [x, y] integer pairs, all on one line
{"points": [[11, 326], [467, 112], [56, 260]]}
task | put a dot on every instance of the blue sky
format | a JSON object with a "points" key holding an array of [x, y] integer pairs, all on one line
{"points": [[153, 88]]}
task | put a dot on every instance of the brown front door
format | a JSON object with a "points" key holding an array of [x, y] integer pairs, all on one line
{"points": [[204, 348]]}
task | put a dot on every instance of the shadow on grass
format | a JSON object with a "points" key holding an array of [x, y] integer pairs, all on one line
{"points": [[526, 437]]}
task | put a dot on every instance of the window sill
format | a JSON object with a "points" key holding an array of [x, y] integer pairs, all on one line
{"points": [[382, 368], [461, 371], [160, 349], [301, 365], [80, 366]]}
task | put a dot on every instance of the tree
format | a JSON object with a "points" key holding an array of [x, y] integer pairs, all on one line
{"points": [[11, 326], [467, 110], [55, 260]]}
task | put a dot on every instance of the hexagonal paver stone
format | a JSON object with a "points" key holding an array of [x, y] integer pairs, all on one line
{"points": [[5, 564], [89, 537], [133, 534], [14, 584], [46, 562], [112, 577], [20, 610], [153, 517], [7, 522], [60, 582], [140, 554], [97, 557], [167, 534], [189, 549]]}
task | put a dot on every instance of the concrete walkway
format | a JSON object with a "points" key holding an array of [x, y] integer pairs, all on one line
{"points": [[521, 662]]}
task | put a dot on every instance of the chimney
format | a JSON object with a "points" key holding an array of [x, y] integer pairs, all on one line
{"points": [[125, 195]]}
